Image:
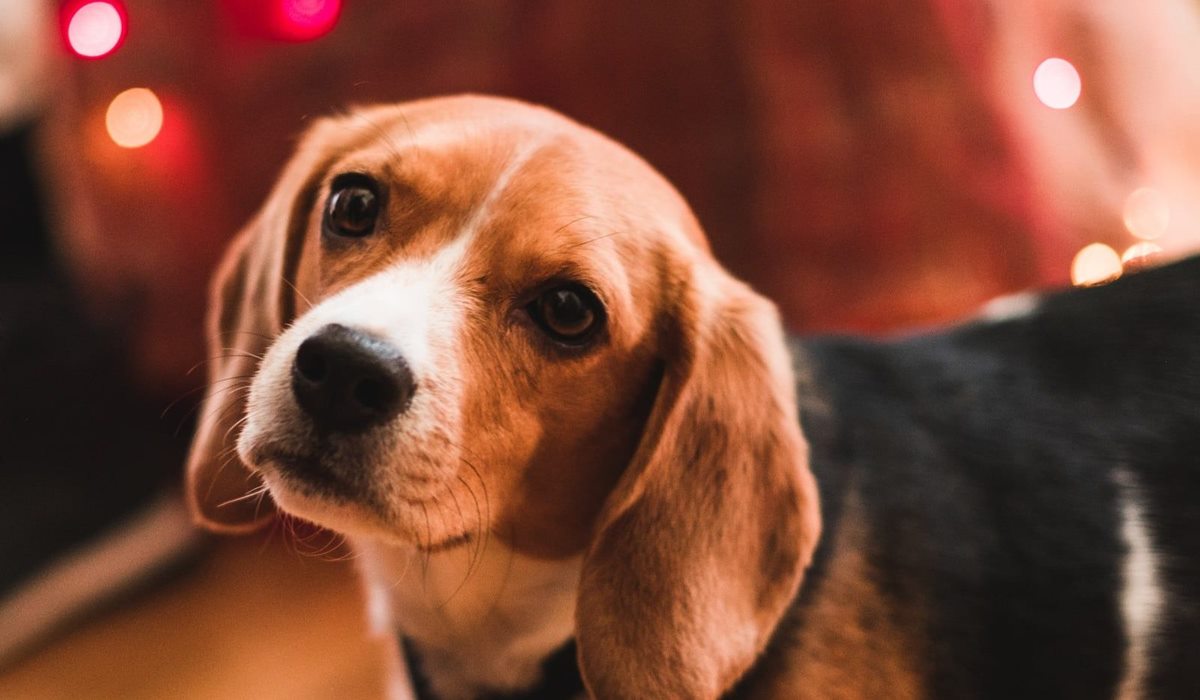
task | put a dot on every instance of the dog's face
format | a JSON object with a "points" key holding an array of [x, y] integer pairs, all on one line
{"points": [[478, 317], [473, 348]]}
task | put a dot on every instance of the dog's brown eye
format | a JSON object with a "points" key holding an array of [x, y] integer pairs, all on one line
{"points": [[352, 208], [568, 314]]}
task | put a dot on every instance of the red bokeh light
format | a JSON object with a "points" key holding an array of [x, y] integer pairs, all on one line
{"points": [[283, 20], [304, 20], [93, 28]]}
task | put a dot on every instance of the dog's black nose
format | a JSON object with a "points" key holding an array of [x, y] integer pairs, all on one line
{"points": [[348, 381]]}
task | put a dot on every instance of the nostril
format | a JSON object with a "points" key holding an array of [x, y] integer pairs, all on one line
{"points": [[311, 362]]}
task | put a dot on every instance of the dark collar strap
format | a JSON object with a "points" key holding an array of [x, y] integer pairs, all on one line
{"points": [[560, 677]]}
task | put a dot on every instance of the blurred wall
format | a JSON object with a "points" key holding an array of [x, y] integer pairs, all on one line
{"points": [[869, 165]]}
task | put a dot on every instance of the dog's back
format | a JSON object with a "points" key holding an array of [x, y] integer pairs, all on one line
{"points": [[1021, 497]]}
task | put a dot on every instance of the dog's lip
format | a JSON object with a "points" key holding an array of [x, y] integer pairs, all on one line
{"points": [[309, 469], [300, 467]]}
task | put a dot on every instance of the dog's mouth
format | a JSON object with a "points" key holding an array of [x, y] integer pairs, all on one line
{"points": [[304, 472], [315, 489]]}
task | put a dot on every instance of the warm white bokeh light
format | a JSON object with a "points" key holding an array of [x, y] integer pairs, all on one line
{"points": [[134, 118], [1095, 264], [1147, 213], [1141, 255], [1056, 83], [95, 29]]}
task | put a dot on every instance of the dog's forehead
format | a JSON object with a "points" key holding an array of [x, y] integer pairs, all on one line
{"points": [[518, 181], [461, 160], [458, 149]]}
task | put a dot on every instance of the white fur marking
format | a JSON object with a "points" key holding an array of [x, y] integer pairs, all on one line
{"points": [[1142, 593], [483, 619], [413, 304], [484, 210]]}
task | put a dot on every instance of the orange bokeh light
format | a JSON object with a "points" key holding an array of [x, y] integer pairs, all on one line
{"points": [[134, 118]]}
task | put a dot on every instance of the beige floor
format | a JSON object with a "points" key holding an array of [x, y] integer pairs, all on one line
{"points": [[255, 619]]}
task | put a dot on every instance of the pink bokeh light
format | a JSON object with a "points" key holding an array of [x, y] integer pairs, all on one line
{"points": [[94, 29], [305, 20]]}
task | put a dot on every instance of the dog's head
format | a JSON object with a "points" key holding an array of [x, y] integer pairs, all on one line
{"points": [[468, 315]]}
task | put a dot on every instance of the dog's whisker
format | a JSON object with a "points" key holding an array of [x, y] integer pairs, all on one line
{"points": [[195, 390], [506, 577], [272, 529], [228, 452], [485, 523], [469, 553], [241, 331], [476, 549], [383, 133], [216, 477], [200, 404], [297, 291], [237, 424], [331, 542], [226, 354], [571, 223], [413, 143], [255, 492], [427, 549], [593, 240], [237, 394]]}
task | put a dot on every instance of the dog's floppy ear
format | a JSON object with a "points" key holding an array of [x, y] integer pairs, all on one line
{"points": [[251, 299], [703, 542]]}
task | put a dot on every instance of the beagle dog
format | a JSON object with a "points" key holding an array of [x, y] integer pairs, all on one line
{"points": [[492, 348]]}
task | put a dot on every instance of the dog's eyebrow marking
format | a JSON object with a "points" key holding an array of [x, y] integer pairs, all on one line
{"points": [[1141, 591]]}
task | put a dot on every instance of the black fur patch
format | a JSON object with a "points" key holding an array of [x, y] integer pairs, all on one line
{"points": [[985, 457]]}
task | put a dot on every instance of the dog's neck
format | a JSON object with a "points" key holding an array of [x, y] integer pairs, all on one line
{"points": [[483, 619]]}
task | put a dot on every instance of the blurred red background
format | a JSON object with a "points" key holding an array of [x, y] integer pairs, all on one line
{"points": [[870, 166]]}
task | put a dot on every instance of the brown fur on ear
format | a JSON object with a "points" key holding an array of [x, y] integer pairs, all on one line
{"points": [[702, 544], [251, 300]]}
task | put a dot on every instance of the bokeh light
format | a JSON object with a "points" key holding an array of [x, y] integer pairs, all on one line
{"points": [[134, 118], [304, 20], [1147, 213], [1141, 255], [1095, 264], [96, 29], [1057, 84]]}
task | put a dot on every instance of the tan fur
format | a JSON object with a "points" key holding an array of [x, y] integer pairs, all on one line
{"points": [[668, 454], [852, 643], [702, 544]]}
